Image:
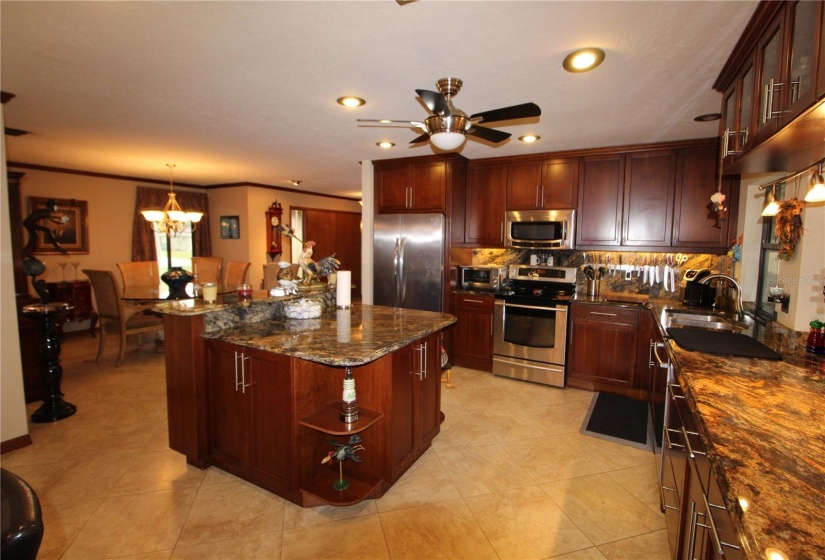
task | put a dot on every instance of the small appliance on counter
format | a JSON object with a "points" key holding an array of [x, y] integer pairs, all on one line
{"points": [[694, 293], [485, 278]]}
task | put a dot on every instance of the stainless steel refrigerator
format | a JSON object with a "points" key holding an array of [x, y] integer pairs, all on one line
{"points": [[408, 258]]}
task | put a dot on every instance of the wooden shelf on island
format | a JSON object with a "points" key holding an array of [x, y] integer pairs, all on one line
{"points": [[320, 489], [328, 420]]}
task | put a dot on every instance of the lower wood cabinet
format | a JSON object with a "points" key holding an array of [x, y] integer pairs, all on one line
{"points": [[78, 294], [698, 524], [473, 337], [250, 412], [603, 350]]}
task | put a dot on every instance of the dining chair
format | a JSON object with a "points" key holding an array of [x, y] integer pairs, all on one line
{"points": [[271, 275], [139, 275], [207, 269], [116, 315], [235, 273]]}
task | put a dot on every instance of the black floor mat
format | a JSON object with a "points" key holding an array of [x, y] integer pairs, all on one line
{"points": [[619, 419], [724, 343]]}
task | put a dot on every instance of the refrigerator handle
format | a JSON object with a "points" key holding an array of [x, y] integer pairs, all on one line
{"points": [[395, 256], [402, 292]]}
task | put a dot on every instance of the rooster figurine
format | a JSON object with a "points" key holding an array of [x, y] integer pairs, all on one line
{"points": [[311, 268]]}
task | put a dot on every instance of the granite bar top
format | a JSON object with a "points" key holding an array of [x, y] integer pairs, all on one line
{"points": [[763, 423], [349, 337]]}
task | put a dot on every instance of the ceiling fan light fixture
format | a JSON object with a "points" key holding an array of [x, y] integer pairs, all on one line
{"points": [[529, 138], [351, 101], [816, 189], [583, 60], [386, 144], [448, 141]]}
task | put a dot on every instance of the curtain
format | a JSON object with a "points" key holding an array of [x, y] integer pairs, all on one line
{"points": [[143, 238]]}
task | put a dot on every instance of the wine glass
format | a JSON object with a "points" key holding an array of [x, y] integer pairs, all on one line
{"points": [[75, 264], [63, 269]]}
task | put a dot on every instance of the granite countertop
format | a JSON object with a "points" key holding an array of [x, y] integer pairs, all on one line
{"points": [[350, 337], [763, 423]]}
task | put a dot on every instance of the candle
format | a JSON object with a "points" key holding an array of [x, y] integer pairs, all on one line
{"points": [[343, 289], [210, 292]]}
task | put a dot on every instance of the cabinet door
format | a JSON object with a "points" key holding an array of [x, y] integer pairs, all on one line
{"points": [[523, 185], [272, 457], [402, 413], [484, 217], [601, 180], [429, 392], [228, 406], [601, 352], [747, 115], [695, 224], [769, 67], [392, 188], [648, 198], [429, 183], [473, 336], [804, 22], [560, 183]]}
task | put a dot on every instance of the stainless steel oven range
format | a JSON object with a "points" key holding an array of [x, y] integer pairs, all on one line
{"points": [[530, 324]]}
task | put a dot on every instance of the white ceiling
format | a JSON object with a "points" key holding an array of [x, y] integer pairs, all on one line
{"points": [[245, 91]]}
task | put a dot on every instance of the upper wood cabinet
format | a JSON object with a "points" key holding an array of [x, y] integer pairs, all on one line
{"points": [[419, 185], [542, 184], [648, 198], [771, 81], [651, 200], [484, 216]]}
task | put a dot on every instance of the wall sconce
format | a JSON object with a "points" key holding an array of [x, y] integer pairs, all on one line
{"points": [[816, 190], [771, 206]]}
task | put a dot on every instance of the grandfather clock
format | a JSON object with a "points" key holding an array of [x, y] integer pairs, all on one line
{"points": [[273, 233]]}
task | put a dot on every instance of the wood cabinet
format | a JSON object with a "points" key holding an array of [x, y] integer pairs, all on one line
{"points": [[414, 184], [78, 294], [603, 350], [654, 200], [484, 215], [473, 337], [339, 233], [542, 184], [698, 524], [250, 415], [771, 81], [415, 414]]}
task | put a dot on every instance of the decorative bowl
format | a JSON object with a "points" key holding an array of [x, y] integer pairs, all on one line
{"points": [[303, 309]]}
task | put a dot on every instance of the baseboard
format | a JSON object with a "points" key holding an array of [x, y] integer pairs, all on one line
{"points": [[15, 443]]}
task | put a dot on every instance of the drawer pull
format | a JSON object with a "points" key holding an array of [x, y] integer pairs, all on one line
{"points": [[601, 313], [472, 300], [713, 532]]}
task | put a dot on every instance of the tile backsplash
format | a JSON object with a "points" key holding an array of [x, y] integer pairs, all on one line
{"points": [[617, 281]]}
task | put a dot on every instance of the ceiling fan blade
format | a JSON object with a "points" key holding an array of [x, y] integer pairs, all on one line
{"points": [[385, 121], [489, 134], [523, 111], [434, 101], [423, 138]]}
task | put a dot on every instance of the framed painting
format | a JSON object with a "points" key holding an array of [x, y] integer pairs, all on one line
{"points": [[230, 227], [69, 226]]}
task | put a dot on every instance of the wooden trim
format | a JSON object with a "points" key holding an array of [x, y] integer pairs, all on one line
{"points": [[15, 443], [277, 188], [742, 51]]}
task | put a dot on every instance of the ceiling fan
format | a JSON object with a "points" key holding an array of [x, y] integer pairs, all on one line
{"points": [[448, 127]]}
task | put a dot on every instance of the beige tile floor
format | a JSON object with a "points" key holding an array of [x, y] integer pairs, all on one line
{"points": [[509, 477]]}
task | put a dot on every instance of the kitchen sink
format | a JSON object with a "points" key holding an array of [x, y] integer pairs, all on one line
{"points": [[682, 318]]}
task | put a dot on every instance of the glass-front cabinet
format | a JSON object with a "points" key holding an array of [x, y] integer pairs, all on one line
{"points": [[804, 23]]}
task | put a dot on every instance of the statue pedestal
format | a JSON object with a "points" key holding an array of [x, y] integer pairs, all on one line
{"points": [[54, 408]]}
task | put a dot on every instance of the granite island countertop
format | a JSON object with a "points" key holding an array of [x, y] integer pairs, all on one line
{"points": [[763, 423], [349, 337]]}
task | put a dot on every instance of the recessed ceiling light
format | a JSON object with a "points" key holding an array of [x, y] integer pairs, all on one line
{"points": [[350, 101], [582, 60], [708, 117], [529, 138], [385, 144]]}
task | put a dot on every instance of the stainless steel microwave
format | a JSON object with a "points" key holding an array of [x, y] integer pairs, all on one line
{"points": [[485, 278], [540, 229]]}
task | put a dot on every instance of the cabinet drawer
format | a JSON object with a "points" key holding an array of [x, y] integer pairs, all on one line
{"points": [[694, 446], [474, 302], [605, 313]]}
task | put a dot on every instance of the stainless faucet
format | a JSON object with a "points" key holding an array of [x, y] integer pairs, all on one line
{"points": [[740, 311]]}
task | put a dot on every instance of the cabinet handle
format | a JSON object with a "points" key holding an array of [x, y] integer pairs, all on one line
{"points": [[670, 444], [726, 142], [501, 233], [767, 109], [693, 522], [424, 359], [744, 134], [654, 346], [795, 87], [237, 354], [601, 313], [244, 384], [542, 197], [471, 300], [662, 497], [713, 532], [420, 372], [537, 196]]}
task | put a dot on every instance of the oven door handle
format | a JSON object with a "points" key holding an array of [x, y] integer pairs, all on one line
{"points": [[558, 309]]}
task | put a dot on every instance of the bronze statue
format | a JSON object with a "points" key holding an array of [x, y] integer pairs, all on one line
{"points": [[32, 266]]}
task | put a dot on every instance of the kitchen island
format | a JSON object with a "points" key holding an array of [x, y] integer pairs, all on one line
{"points": [[259, 395]]}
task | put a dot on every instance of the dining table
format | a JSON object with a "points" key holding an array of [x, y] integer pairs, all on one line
{"points": [[160, 292]]}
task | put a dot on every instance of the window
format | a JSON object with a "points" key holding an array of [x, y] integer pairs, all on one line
{"points": [[181, 246], [768, 263]]}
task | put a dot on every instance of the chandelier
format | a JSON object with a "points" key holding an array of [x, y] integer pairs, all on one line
{"points": [[172, 219]]}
